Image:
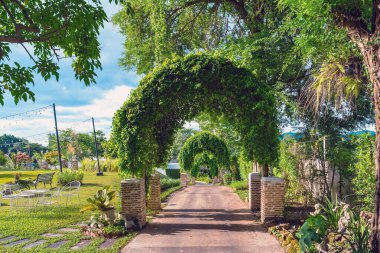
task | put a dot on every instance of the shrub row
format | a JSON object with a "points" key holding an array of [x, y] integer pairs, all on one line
{"points": [[167, 183], [173, 173], [239, 185], [68, 176]]}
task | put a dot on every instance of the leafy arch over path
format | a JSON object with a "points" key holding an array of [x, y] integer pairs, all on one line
{"points": [[206, 145], [180, 89]]}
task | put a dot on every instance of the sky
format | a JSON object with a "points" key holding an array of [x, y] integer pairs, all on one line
{"points": [[75, 103]]}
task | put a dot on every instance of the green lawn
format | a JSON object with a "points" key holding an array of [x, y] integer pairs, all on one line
{"points": [[32, 224]]}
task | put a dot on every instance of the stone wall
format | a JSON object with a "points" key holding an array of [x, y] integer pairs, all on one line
{"points": [[154, 200], [272, 198], [254, 186], [133, 204]]}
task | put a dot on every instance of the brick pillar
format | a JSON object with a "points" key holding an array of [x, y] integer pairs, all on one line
{"points": [[183, 179], [154, 200], [272, 198], [254, 186], [133, 203]]}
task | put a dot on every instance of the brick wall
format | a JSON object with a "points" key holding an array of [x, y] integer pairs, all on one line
{"points": [[272, 198], [133, 203], [254, 185], [183, 179], [154, 199]]}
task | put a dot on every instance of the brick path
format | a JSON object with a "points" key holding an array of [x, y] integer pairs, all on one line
{"points": [[204, 218]]}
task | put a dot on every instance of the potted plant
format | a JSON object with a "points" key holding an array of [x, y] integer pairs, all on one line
{"points": [[102, 202]]}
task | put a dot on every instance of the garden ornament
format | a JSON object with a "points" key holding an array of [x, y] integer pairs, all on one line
{"points": [[344, 220]]}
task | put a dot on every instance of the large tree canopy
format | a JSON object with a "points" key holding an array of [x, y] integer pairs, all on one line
{"points": [[210, 148], [48, 31], [341, 39], [182, 88]]}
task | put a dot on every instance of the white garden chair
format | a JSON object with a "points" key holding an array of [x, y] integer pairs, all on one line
{"points": [[15, 197], [70, 190]]}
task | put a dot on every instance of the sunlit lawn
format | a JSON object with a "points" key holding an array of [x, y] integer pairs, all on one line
{"points": [[32, 224]]}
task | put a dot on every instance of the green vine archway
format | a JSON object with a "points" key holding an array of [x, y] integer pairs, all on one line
{"points": [[205, 159], [179, 90], [206, 145]]}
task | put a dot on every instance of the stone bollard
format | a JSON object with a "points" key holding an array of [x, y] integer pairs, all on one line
{"points": [[133, 204], [193, 180], [215, 180], [254, 186], [154, 200], [272, 198], [183, 179]]}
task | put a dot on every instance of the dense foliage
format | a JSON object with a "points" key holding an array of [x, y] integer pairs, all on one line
{"points": [[48, 31], [167, 183], [77, 145], [208, 161], [335, 227], [12, 144], [349, 164], [173, 173], [204, 149], [180, 89], [179, 139], [363, 170]]}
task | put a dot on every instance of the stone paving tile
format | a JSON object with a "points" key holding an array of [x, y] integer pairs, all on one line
{"points": [[14, 243], [57, 244], [81, 244], [108, 243], [68, 230], [52, 235], [34, 244], [8, 238]]}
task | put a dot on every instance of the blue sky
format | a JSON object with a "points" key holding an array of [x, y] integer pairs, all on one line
{"points": [[75, 102]]}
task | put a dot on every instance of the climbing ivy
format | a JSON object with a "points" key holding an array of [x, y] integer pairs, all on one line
{"points": [[179, 90], [204, 149], [205, 159]]}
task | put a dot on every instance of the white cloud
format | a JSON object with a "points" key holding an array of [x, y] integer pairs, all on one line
{"points": [[76, 117]]}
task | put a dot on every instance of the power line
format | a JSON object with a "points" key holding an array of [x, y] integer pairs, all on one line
{"points": [[21, 113]]}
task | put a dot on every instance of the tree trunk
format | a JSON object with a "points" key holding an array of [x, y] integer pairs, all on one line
{"points": [[266, 170], [375, 221], [371, 54], [370, 50]]}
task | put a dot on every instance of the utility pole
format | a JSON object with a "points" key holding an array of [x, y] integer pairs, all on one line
{"points": [[57, 135], [96, 148]]}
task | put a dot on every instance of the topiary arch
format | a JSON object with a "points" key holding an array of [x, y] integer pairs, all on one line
{"points": [[205, 159], [206, 145], [180, 89]]}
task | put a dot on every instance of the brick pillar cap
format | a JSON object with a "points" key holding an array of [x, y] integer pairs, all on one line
{"points": [[272, 179], [255, 175], [131, 180]]}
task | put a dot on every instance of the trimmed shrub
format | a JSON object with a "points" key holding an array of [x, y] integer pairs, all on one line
{"points": [[173, 173], [227, 178], [167, 183], [68, 176], [239, 185], [206, 180]]}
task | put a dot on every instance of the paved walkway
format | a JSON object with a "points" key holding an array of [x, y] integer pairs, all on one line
{"points": [[204, 218]]}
